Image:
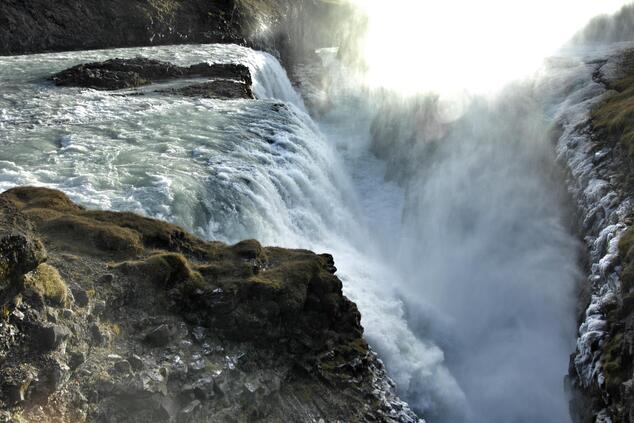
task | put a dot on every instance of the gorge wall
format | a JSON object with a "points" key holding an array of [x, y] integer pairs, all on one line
{"points": [[288, 28]]}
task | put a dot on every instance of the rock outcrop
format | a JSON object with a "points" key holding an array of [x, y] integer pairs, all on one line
{"points": [[223, 80], [286, 28], [113, 317], [44, 25], [599, 151]]}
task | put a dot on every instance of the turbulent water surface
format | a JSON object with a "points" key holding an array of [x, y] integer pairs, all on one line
{"points": [[449, 229]]}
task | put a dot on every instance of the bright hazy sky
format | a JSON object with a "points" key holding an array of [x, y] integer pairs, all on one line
{"points": [[477, 45]]}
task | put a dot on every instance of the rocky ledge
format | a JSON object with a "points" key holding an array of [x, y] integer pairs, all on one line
{"points": [[598, 147], [223, 80], [113, 317]]}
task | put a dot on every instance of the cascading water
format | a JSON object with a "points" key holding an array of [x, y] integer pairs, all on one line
{"points": [[448, 225], [226, 170], [472, 222]]}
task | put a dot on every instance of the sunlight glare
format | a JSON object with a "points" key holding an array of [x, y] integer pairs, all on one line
{"points": [[417, 45]]}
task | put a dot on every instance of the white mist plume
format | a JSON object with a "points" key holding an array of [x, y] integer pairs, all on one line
{"points": [[489, 263]]}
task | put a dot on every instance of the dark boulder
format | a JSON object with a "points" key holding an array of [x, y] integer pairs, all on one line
{"points": [[232, 71], [219, 89], [228, 80], [48, 337], [20, 251]]}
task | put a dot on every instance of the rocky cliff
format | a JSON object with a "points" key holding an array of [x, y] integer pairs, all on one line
{"points": [[288, 28], [600, 154], [113, 317]]}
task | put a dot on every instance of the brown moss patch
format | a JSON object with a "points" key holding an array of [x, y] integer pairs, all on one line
{"points": [[615, 115], [154, 234], [26, 198], [46, 280], [163, 269], [82, 234], [249, 249]]}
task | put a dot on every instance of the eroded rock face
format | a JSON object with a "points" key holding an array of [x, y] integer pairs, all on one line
{"points": [[43, 25], [601, 369], [295, 28], [226, 80], [165, 327]]}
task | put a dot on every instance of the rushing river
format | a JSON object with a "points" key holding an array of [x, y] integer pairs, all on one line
{"points": [[450, 227]]}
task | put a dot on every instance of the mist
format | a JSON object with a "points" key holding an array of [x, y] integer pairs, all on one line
{"points": [[607, 28], [484, 254], [486, 248]]}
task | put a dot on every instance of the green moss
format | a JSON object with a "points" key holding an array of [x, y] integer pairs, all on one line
{"points": [[47, 281]]}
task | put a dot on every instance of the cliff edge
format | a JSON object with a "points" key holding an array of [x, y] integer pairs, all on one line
{"points": [[114, 317]]}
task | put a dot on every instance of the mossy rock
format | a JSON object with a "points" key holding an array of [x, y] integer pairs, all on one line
{"points": [[163, 269], [46, 280], [155, 234], [26, 198], [82, 234], [244, 292], [249, 249], [615, 115]]}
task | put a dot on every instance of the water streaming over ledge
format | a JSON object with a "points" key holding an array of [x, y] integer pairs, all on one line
{"points": [[450, 236]]}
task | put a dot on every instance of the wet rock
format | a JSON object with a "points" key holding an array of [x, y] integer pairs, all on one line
{"points": [[230, 71], [219, 89], [123, 366], [186, 413], [106, 279], [99, 307], [117, 74], [159, 337], [81, 297], [49, 337], [84, 76], [51, 315], [136, 362], [15, 388], [229, 80], [76, 359], [98, 335], [202, 389], [51, 378]]}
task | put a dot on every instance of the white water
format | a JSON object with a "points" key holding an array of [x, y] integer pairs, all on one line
{"points": [[226, 170], [460, 260]]}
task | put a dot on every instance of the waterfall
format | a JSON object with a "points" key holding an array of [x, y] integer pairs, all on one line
{"points": [[227, 170], [448, 220]]}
